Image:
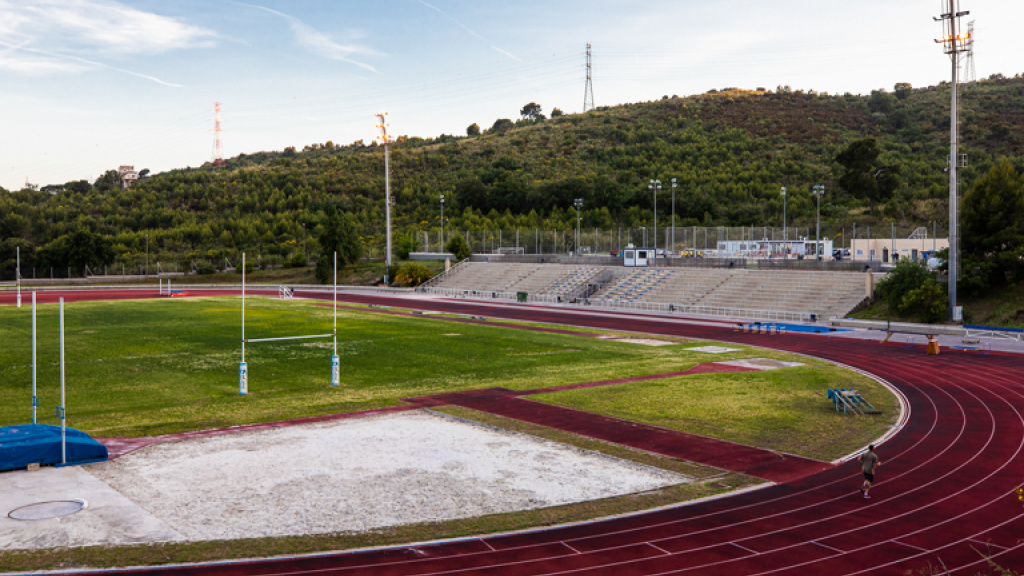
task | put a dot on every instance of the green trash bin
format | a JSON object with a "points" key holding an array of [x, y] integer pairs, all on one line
{"points": [[521, 296]]}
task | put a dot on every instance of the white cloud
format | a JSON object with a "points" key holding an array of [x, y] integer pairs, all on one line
{"points": [[52, 62], [97, 27], [469, 30], [317, 42], [73, 36]]}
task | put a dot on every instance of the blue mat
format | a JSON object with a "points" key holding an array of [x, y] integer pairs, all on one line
{"points": [[40, 443], [791, 328]]}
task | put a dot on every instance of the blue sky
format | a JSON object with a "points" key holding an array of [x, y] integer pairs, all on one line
{"points": [[88, 85]]}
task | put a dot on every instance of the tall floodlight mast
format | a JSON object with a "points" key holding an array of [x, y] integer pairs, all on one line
{"points": [[218, 146], [386, 141], [655, 187], [588, 90], [954, 44], [785, 234]]}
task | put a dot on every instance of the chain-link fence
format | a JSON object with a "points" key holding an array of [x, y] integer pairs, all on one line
{"points": [[684, 241]]}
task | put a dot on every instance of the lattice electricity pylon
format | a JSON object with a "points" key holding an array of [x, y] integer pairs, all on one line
{"points": [[588, 90], [218, 146]]}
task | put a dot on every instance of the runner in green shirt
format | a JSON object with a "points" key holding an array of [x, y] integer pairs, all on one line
{"points": [[868, 462]]}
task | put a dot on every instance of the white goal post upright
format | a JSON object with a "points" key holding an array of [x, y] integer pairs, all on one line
{"points": [[61, 410], [243, 372], [17, 274], [35, 399], [335, 362]]}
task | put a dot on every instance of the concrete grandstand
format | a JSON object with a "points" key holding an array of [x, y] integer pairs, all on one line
{"points": [[742, 293]]}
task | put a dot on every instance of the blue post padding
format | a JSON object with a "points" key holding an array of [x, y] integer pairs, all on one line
{"points": [[243, 379], [335, 371], [40, 444]]}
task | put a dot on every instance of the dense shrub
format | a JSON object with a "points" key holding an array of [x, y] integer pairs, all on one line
{"points": [[412, 274], [297, 260]]}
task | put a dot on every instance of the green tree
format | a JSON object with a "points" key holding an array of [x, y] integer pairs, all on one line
{"points": [[458, 247], [902, 90], [338, 235], [927, 302], [992, 223], [531, 111], [111, 179], [501, 125], [404, 245], [473, 129], [556, 112], [78, 249], [881, 102], [906, 277], [863, 176]]}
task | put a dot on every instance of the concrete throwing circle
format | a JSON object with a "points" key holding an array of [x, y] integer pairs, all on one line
{"points": [[45, 510]]}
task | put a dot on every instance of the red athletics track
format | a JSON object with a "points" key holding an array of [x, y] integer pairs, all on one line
{"points": [[945, 491]]}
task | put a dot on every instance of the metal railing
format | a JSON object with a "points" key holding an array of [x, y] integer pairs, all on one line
{"points": [[437, 279]]}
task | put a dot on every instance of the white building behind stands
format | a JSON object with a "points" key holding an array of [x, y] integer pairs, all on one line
{"points": [[793, 248]]}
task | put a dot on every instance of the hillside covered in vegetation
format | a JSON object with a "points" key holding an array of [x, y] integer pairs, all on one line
{"points": [[730, 151]]}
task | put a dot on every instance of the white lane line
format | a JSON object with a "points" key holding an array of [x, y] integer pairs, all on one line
{"points": [[659, 549]]}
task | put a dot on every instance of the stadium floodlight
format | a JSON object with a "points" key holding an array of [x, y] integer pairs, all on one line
{"points": [[955, 43], [654, 186], [578, 203], [785, 233], [386, 141], [819, 189], [673, 215], [442, 224]]}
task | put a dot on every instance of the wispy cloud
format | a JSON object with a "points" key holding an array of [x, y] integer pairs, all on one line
{"points": [[74, 36], [62, 62], [471, 32], [99, 26], [317, 42]]}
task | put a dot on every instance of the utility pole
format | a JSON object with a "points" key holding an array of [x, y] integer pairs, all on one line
{"points": [[953, 44], [386, 141], [588, 90], [819, 189], [442, 223]]}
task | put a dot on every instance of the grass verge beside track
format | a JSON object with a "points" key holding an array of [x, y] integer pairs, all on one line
{"points": [[783, 409]]}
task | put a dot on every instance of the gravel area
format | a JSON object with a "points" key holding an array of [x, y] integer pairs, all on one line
{"points": [[761, 363], [360, 474]]}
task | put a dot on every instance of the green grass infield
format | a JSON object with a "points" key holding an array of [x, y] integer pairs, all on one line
{"points": [[148, 367]]}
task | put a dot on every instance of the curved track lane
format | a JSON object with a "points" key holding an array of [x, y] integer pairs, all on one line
{"points": [[945, 495]]}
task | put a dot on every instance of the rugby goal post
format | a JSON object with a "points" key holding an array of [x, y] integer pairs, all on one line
{"points": [[243, 369]]}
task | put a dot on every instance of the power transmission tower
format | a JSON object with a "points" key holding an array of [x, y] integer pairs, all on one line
{"points": [[954, 44], [969, 73], [588, 91], [218, 146]]}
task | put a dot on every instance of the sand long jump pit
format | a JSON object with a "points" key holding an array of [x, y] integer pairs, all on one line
{"points": [[358, 474]]}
